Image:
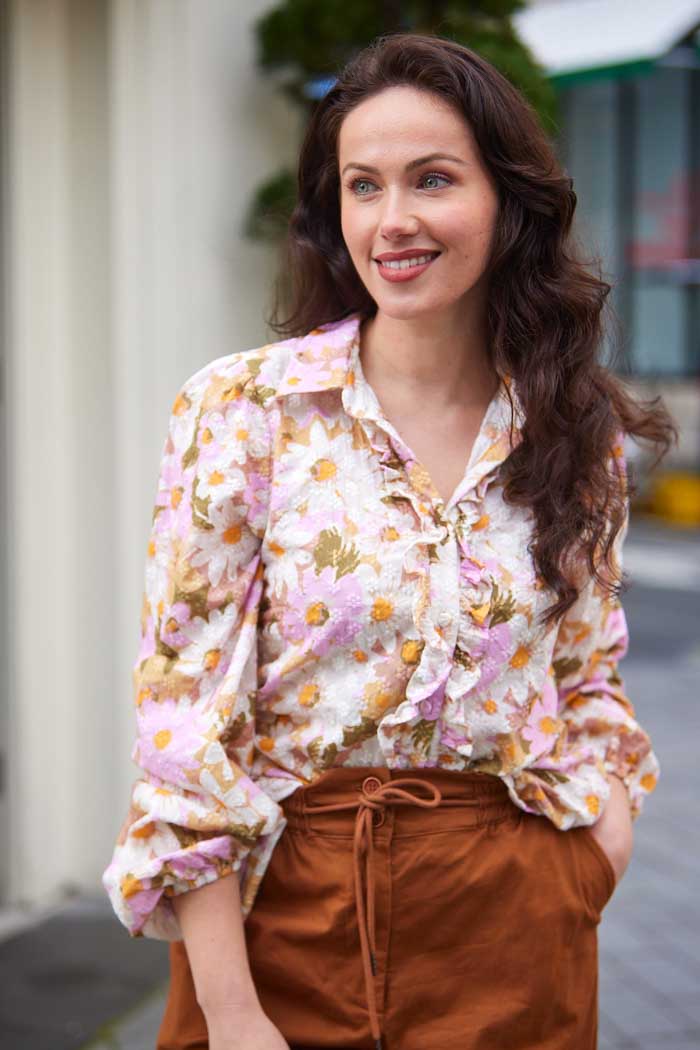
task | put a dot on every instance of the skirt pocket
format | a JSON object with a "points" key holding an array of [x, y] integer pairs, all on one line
{"points": [[606, 881]]}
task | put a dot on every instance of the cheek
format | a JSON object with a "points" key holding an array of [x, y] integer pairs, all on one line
{"points": [[351, 225], [469, 226], [356, 231], [471, 234]]}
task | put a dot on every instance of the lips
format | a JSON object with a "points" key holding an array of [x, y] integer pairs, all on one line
{"points": [[406, 267], [410, 253]]}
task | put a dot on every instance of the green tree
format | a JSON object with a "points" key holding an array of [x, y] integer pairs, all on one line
{"points": [[306, 43]]}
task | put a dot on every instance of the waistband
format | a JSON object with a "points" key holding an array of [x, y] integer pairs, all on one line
{"points": [[355, 800], [467, 799]]}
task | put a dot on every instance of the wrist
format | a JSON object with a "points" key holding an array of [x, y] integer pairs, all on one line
{"points": [[619, 790], [617, 814], [243, 1004]]}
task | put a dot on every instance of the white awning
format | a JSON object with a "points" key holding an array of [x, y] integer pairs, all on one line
{"points": [[571, 37]]}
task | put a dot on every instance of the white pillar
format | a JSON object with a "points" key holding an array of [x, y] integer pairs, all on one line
{"points": [[58, 440], [137, 131]]}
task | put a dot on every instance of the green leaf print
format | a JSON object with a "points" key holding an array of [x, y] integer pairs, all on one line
{"points": [[234, 730], [314, 749], [502, 606], [565, 666], [422, 734], [191, 453], [463, 658], [197, 600], [355, 734], [330, 551], [200, 510], [259, 395], [247, 835], [550, 776], [165, 650], [329, 756]]}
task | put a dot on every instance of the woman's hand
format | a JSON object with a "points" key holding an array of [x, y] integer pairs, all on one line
{"points": [[613, 829], [243, 1029]]}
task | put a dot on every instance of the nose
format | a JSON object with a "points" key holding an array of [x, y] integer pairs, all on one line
{"points": [[396, 218]]}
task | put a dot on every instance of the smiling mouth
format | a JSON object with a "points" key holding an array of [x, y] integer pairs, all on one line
{"points": [[407, 264]]}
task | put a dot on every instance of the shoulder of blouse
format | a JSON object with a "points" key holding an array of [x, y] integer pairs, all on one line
{"points": [[254, 374], [314, 362]]}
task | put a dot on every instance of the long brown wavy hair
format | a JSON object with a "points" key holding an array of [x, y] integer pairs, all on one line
{"points": [[545, 311]]}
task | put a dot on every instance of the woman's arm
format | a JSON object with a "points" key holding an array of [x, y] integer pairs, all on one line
{"points": [[212, 926], [197, 812], [613, 830], [597, 709]]}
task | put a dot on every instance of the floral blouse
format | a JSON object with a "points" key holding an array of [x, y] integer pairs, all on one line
{"points": [[311, 601]]}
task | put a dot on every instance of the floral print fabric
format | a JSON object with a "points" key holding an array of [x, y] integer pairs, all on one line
{"points": [[311, 601]]}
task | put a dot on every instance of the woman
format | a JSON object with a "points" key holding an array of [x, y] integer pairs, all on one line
{"points": [[378, 677]]}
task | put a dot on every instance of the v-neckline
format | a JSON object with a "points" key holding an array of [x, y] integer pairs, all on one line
{"points": [[416, 465], [417, 473]]}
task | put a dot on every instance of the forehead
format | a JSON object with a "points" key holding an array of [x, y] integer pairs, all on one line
{"points": [[403, 119]]}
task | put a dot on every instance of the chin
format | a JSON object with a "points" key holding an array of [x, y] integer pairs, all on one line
{"points": [[408, 311]]}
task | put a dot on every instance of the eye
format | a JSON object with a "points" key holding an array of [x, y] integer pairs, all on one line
{"points": [[355, 183], [435, 175], [361, 187]]}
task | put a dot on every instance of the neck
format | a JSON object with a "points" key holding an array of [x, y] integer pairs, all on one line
{"points": [[443, 359]]}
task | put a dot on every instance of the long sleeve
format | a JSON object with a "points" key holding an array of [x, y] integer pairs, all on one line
{"points": [[195, 812], [600, 719]]}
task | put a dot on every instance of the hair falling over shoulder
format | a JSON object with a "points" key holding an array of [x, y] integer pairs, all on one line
{"points": [[548, 315]]}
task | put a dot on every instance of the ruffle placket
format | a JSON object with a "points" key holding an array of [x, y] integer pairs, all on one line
{"points": [[439, 556]]}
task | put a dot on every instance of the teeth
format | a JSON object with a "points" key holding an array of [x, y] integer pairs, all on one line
{"points": [[404, 264]]}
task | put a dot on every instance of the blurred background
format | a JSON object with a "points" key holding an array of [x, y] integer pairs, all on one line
{"points": [[147, 156]]}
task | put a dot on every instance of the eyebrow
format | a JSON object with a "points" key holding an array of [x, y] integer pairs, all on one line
{"points": [[410, 166]]}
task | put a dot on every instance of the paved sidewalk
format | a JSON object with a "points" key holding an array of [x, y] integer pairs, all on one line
{"points": [[78, 982]]}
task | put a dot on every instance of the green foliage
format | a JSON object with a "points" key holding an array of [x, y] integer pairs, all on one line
{"points": [[302, 40], [271, 207]]}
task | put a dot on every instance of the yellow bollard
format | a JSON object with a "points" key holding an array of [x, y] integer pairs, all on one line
{"points": [[675, 497]]}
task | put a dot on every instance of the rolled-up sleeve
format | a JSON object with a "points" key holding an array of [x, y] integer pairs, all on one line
{"points": [[195, 812], [602, 729]]}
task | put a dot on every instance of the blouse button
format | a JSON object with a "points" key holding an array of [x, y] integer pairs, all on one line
{"points": [[444, 619]]}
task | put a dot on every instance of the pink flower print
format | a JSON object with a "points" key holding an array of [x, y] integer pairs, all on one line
{"points": [[170, 733], [192, 862], [324, 611], [470, 570], [171, 479], [491, 566], [617, 631], [491, 652], [254, 496], [211, 440], [171, 502], [431, 707], [543, 726], [171, 631], [456, 741], [147, 641], [142, 904], [307, 373]]}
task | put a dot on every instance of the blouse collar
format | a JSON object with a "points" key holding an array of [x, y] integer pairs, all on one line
{"points": [[328, 358]]}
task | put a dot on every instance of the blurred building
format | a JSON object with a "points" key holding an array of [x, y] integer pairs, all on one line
{"points": [[628, 77], [132, 135]]}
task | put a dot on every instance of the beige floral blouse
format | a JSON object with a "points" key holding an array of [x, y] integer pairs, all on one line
{"points": [[311, 601]]}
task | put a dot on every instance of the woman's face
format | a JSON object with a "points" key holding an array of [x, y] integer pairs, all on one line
{"points": [[400, 192]]}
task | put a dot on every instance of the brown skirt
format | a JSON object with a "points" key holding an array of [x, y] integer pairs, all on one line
{"points": [[421, 910]]}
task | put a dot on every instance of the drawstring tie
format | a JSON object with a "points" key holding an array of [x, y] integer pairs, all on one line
{"points": [[373, 797]]}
